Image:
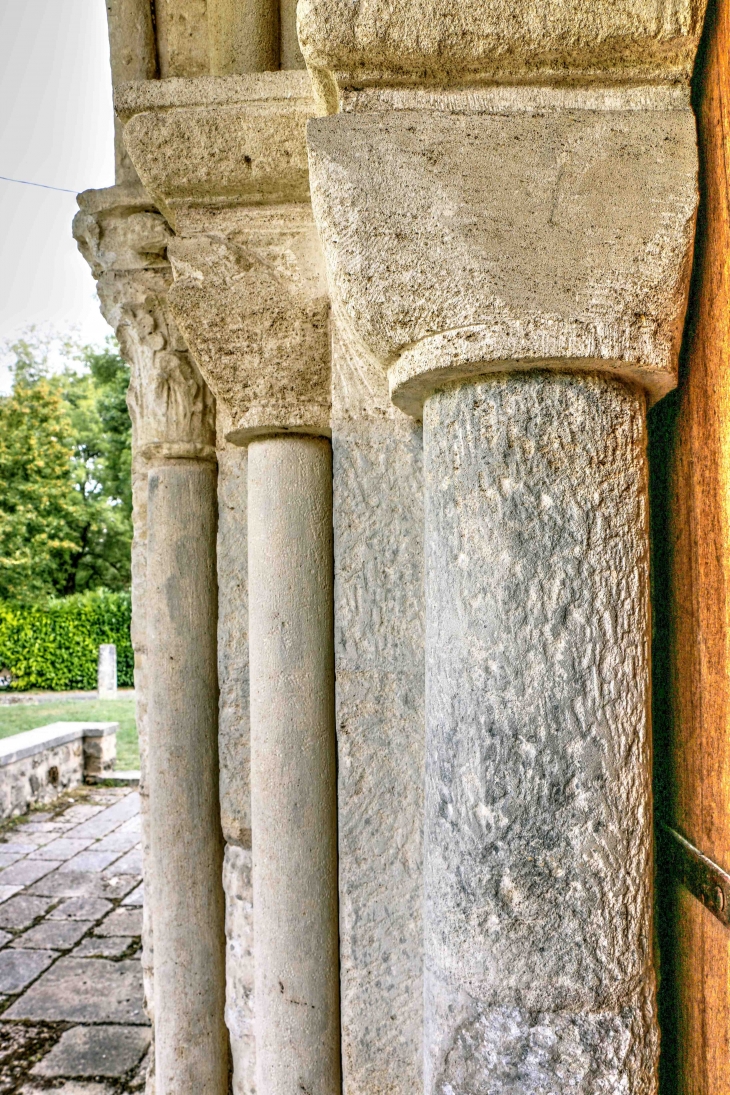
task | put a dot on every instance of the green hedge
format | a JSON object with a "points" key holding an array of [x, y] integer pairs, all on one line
{"points": [[56, 646]]}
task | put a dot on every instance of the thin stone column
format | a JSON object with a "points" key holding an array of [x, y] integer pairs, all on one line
{"points": [[185, 833], [293, 777], [250, 297], [538, 822]]}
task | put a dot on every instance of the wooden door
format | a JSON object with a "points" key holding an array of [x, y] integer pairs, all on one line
{"points": [[690, 458]]}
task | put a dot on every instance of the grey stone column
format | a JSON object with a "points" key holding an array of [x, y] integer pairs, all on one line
{"points": [[293, 776], [185, 834], [538, 823]]}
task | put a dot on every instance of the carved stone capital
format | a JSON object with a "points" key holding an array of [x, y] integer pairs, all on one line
{"points": [[545, 229], [124, 239], [226, 159]]}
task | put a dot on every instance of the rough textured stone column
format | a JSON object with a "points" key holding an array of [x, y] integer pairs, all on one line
{"points": [[250, 298], [538, 837], [294, 811], [517, 259]]}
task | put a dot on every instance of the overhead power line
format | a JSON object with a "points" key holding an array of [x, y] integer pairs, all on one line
{"points": [[44, 186]]}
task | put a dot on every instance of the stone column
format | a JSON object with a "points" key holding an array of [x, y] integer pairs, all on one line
{"points": [[250, 298], [517, 259], [185, 835], [294, 809], [124, 239]]}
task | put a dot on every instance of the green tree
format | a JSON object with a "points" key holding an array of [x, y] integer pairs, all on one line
{"points": [[65, 461]]}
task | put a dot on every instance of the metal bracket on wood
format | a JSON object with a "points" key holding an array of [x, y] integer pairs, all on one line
{"points": [[703, 878]]}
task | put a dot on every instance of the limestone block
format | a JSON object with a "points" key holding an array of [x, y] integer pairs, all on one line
{"points": [[107, 671], [379, 659], [182, 37], [457, 243], [239, 966], [538, 821], [436, 41], [100, 754], [219, 140], [244, 36], [251, 298], [41, 777], [234, 746]]}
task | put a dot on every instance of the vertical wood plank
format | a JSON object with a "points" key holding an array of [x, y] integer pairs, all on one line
{"points": [[693, 783]]}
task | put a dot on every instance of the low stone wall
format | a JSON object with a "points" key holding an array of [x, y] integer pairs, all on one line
{"points": [[39, 764]]}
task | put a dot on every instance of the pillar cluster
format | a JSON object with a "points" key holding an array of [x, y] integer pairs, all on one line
{"points": [[394, 325]]}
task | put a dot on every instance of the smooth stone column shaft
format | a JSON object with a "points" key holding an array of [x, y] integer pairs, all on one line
{"points": [[538, 814], [293, 769], [244, 36], [185, 833]]}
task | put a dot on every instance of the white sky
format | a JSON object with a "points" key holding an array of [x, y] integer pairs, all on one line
{"points": [[56, 127]]}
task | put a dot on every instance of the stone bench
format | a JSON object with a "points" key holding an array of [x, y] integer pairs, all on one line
{"points": [[39, 764]]}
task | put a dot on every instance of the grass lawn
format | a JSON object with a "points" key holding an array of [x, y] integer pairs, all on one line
{"points": [[14, 718]]}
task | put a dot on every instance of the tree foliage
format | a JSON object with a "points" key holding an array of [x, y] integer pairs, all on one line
{"points": [[65, 469]]}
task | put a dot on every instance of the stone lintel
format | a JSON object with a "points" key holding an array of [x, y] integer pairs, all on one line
{"points": [[437, 43], [226, 160], [549, 235]]}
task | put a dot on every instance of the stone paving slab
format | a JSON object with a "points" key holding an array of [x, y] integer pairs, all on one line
{"points": [[136, 897], [18, 968], [105, 946], [83, 990], [81, 908], [57, 935], [91, 861], [66, 873], [63, 848], [26, 871], [73, 1087], [83, 884], [121, 922], [95, 1051], [20, 911]]}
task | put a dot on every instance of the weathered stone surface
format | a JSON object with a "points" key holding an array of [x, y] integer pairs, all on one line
{"points": [[251, 299], [538, 833], [80, 908], [243, 37], [293, 765], [432, 42], [462, 243], [185, 835], [233, 708], [378, 533], [113, 946], [83, 884], [26, 871], [95, 1051], [121, 922], [83, 990], [239, 967], [182, 37], [71, 1087], [57, 935], [20, 911], [236, 140], [19, 967]]}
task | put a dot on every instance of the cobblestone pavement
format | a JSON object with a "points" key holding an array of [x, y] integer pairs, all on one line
{"points": [[71, 1012]]}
